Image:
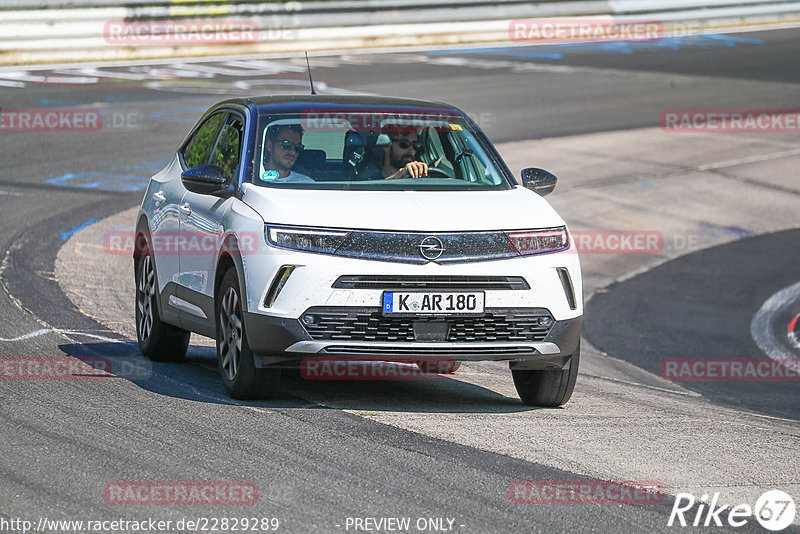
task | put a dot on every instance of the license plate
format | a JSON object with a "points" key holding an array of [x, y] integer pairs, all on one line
{"points": [[432, 303]]}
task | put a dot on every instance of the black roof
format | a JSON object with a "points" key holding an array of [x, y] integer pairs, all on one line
{"points": [[289, 103]]}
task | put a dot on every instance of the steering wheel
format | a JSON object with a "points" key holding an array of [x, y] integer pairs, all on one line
{"points": [[438, 170], [433, 167]]}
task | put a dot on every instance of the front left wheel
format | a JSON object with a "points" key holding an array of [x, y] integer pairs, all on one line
{"points": [[158, 340], [240, 376]]}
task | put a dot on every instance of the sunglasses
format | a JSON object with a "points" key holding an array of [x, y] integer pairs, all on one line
{"points": [[288, 145], [404, 144]]}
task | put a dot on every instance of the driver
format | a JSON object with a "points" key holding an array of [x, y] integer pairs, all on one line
{"points": [[281, 151], [400, 156]]}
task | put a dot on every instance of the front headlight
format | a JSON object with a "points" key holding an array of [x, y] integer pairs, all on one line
{"points": [[539, 241], [305, 239]]}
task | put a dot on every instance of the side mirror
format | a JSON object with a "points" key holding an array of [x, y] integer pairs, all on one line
{"points": [[539, 181], [207, 180]]}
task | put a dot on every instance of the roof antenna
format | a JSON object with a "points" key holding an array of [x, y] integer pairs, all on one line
{"points": [[313, 92]]}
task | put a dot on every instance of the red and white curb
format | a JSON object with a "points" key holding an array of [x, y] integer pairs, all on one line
{"points": [[761, 327], [793, 332]]}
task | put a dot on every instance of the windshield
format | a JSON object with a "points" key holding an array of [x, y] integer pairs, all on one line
{"points": [[373, 151]]}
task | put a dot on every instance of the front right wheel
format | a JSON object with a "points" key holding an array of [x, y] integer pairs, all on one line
{"points": [[240, 376], [547, 388]]}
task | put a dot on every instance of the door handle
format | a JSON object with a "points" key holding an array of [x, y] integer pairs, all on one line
{"points": [[186, 210], [158, 198]]}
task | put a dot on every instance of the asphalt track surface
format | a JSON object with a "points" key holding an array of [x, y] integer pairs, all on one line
{"points": [[701, 305], [315, 466]]}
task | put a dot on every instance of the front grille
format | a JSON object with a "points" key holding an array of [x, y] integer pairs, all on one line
{"points": [[431, 282], [405, 247], [369, 324]]}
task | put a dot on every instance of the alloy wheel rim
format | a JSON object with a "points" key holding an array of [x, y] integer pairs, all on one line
{"points": [[145, 291], [230, 345]]}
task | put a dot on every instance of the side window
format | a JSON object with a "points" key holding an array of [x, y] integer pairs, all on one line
{"points": [[197, 151], [228, 150]]}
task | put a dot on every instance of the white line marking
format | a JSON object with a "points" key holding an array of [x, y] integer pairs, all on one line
{"points": [[43, 331], [94, 73], [761, 326], [93, 336], [752, 159], [25, 76], [6, 83], [639, 384], [28, 335]]}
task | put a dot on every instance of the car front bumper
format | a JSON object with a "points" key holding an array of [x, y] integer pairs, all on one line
{"points": [[322, 284], [278, 340]]}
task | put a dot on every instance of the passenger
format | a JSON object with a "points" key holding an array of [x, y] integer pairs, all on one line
{"points": [[281, 151]]}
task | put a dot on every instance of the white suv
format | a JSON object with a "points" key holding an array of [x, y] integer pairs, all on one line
{"points": [[355, 228]]}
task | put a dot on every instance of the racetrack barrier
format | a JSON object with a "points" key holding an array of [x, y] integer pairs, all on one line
{"points": [[36, 31]]}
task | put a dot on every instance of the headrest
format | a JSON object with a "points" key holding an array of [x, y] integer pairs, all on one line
{"points": [[310, 160]]}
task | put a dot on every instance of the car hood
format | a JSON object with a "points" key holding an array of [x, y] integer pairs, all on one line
{"points": [[417, 211]]}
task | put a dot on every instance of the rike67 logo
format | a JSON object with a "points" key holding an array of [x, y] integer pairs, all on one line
{"points": [[774, 510]]}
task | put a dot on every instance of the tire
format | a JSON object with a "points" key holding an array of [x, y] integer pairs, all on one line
{"points": [[241, 378], [445, 367], [547, 388], [158, 341], [292, 371]]}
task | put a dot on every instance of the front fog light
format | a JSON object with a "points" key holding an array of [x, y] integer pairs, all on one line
{"points": [[546, 322], [309, 319], [281, 277]]}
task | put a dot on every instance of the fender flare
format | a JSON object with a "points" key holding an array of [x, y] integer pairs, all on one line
{"points": [[230, 248], [143, 228]]}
